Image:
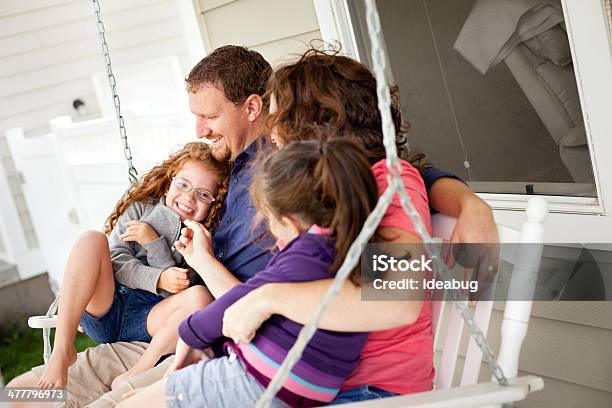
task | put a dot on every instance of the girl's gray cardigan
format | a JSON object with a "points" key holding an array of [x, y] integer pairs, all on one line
{"points": [[139, 267]]}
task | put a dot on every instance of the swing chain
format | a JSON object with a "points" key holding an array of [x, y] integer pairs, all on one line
{"points": [[127, 152], [481, 341], [459, 300]]}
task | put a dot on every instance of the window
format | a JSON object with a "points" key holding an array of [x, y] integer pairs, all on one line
{"points": [[503, 114]]}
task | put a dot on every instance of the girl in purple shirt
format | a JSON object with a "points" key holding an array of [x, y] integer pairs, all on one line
{"points": [[302, 190]]}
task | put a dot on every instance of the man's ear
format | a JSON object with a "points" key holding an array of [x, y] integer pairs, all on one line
{"points": [[253, 106]]}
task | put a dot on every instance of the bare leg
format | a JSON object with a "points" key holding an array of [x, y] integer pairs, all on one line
{"points": [[154, 396], [89, 285], [162, 324]]}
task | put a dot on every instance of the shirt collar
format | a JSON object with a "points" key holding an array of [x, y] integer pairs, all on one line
{"points": [[247, 154], [261, 143]]}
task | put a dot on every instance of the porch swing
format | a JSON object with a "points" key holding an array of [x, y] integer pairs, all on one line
{"points": [[49, 320], [506, 386]]}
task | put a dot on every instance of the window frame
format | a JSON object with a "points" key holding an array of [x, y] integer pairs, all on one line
{"points": [[587, 33]]}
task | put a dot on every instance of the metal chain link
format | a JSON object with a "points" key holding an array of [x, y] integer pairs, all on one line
{"points": [[396, 185], [127, 152], [384, 105], [132, 173], [459, 300]]}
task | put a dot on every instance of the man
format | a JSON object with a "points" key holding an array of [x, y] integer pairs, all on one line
{"points": [[226, 92]]}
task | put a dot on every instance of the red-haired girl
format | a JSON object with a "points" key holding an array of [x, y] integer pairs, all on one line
{"points": [[116, 287]]}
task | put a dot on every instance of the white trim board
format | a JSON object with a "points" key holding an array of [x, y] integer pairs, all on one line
{"points": [[194, 30], [589, 44], [336, 26], [565, 228]]}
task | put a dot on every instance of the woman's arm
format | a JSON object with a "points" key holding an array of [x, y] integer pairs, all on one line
{"points": [[298, 302]]}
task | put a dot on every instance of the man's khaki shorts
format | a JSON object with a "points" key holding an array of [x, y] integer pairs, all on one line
{"points": [[89, 379]]}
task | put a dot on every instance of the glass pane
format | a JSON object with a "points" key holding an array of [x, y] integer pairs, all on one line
{"points": [[489, 90]]}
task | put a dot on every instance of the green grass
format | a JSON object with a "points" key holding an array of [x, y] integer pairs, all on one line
{"points": [[21, 348]]}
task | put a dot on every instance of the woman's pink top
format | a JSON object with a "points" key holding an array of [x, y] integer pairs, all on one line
{"points": [[400, 360]]}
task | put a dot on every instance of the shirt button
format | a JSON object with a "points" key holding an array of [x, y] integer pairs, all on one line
{"points": [[220, 255], [235, 179]]}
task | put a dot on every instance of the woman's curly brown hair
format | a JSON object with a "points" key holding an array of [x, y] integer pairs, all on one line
{"points": [[326, 88], [156, 182]]}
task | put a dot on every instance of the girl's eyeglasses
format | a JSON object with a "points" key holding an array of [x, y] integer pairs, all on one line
{"points": [[185, 186]]}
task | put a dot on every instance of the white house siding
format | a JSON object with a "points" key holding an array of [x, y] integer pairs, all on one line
{"points": [[276, 28], [50, 48]]}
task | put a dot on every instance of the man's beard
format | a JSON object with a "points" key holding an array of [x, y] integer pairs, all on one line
{"points": [[222, 153]]}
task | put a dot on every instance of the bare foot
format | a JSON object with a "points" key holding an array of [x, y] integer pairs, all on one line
{"points": [[56, 372]]}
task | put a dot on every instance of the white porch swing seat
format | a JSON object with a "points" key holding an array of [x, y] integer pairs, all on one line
{"points": [[513, 330], [502, 391]]}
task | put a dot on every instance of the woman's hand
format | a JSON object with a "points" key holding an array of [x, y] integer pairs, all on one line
{"points": [[242, 319], [174, 279], [185, 356], [195, 244], [140, 232]]}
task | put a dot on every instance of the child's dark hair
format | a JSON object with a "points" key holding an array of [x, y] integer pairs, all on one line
{"points": [[156, 182], [327, 183]]}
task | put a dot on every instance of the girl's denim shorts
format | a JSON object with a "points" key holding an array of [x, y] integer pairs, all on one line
{"points": [[126, 320]]}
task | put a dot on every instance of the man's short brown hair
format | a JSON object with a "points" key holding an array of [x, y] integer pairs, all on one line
{"points": [[237, 71]]}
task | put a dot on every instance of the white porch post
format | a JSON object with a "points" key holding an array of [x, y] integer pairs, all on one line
{"points": [[194, 30], [29, 261]]}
